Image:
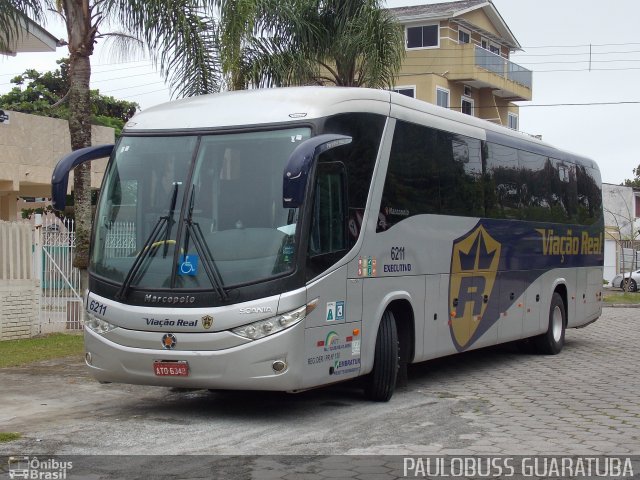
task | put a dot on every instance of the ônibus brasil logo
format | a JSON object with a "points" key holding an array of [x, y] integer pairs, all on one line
{"points": [[35, 468]]}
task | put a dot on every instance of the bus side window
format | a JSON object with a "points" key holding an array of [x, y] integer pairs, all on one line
{"points": [[328, 236]]}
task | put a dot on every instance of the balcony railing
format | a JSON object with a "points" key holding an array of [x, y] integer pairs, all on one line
{"points": [[503, 67]]}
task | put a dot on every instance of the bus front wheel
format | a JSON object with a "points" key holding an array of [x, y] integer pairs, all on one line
{"points": [[551, 342], [381, 382]]}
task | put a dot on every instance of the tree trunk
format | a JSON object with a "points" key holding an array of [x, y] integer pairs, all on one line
{"points": [[81, 39]]}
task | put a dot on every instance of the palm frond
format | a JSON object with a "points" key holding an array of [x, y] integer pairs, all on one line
{"points": [[348, 42], [273, 62], [181, 37], [123, 46]]}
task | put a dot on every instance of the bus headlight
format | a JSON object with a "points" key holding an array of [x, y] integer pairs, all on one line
{"points": [[98, 325], [264, 328]]}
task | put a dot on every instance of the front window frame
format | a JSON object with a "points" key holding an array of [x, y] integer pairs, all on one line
{"points": [[422, 45], [464, 36], [470, 102], [199, 133], [404, 89], [444, 91]]}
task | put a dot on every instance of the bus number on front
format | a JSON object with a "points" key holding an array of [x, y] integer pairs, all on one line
{"points": [[97, 307]]}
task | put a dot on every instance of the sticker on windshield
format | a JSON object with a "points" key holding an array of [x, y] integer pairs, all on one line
{"points": [[188, 265]]}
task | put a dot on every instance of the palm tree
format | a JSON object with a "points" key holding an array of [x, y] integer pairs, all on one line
{"points": [[297, 42], [179, 35]]}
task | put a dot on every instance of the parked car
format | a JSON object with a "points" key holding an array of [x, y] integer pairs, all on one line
{"points": [[632, 277]]}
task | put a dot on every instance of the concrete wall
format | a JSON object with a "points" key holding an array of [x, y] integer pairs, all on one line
{"points": [[19, 290], [619, 209], [30, 147], [620, 224], [19, 301]]}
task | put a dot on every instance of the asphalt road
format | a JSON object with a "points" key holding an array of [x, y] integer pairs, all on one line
{"points": [[494, 401]]}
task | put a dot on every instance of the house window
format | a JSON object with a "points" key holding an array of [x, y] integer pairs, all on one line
{"points": [[442, 97], [485, 43], [637, 206], [467, 106], [494, 49], [407, 91], [424, 36], [463, 36], [513, 121]]}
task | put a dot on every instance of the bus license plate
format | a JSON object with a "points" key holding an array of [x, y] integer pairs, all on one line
{"points": [[171, 369]]}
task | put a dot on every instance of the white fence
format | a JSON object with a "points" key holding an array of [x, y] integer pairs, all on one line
{"points": [[39, 287], [15, 251], [121, 239], [19, 295]]}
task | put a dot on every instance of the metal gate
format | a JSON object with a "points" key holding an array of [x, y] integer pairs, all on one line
{"points": [[61, 298]]}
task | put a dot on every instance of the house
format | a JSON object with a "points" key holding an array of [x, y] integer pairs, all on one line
{"points": [[30, 147], [32, 38], [621, 206], [457, 57]]}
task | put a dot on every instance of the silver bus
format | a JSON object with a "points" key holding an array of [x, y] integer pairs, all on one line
{"points": [[285, 239]]}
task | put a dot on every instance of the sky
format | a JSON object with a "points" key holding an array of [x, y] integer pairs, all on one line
{"points": [[556, 38]]}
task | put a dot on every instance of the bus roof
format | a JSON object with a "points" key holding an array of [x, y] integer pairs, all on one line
{"points": [[295, 104], [259, 106]]}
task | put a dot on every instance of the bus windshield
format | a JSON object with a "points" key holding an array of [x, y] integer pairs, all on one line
{"points": [[195, 211]]}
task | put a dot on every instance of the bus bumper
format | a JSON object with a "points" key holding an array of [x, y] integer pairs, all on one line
{"points": [[244, 367]]}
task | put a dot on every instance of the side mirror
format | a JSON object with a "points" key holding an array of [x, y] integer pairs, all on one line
{"points": [[300, 163], [60, 177]]}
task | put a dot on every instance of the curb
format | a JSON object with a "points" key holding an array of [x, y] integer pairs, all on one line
{"points": [[620, 305]]}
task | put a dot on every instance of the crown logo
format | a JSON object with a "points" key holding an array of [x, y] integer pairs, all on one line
{"points": [[474, 266]]}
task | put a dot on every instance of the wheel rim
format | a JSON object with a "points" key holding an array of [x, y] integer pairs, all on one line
{"points": [[556, 324]]}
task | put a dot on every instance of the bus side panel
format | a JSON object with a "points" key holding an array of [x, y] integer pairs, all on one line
{"points": [[332, 354], [594, 293], [332, 336], [581, 297], [378, 293], [332, 307], [531, 324], [511, 307], [437, 336]]}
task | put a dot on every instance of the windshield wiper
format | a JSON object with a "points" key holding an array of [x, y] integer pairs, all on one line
{"points": [[194, 231], [164, 222], [170, 220]]}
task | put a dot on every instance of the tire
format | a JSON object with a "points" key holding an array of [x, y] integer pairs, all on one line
{"points": [[633, 286], [381, 382], [551, 342]]}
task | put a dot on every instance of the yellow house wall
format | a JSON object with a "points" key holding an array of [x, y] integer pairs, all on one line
{"points": [[479, 18], [487, 106]]}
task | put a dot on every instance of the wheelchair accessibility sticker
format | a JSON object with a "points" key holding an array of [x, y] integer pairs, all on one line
{"points": [[188, 265]]}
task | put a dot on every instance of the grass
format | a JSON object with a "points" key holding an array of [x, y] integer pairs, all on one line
{"points": [[9, 436], [624, 298], [14, 353]]}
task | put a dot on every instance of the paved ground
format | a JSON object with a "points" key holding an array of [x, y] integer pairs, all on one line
{"points": [[496, 401]]}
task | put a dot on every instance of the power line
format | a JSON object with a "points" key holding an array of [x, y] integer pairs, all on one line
{"points": [[584, 45], [130, 87], [144, 93], [575, 70], [92, 67], [577, 104]]}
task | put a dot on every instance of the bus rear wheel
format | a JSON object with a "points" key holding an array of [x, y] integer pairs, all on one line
{"points": [[381, 382], [551, 342]]}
